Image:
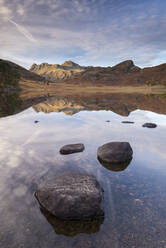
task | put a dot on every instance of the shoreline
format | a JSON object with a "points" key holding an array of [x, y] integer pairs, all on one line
{"points": [[61, 88]]}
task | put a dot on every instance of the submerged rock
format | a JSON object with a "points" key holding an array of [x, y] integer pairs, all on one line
{"points": [[128, 122], [115, 153], [72, 197], [115, 167], [149, 125], [72, 148], [73, 228]]}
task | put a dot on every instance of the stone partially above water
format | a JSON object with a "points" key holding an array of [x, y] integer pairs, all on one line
{"points": [[128, 122], [72, 148], [72, 197], [115, 152], [150, 125]]}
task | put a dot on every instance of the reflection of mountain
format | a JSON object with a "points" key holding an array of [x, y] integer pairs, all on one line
{"points": [[122, 104], [70, 104], [9, 104], [58, 105]]}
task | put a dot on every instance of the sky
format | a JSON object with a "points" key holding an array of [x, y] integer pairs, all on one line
{"points": [[88, 32]]}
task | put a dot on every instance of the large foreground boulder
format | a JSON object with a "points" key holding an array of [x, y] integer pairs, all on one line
{"points": [[72, 148], [115, 153], [72, 197]]}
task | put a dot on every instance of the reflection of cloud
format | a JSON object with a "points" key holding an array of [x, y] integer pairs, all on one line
{"points": [[39, 144], [148, 116], [34, 150], [20, 190]]}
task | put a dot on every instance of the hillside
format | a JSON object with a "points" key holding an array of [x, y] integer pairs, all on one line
{"points": [[57, 72], [125, 73], [11, 74]]}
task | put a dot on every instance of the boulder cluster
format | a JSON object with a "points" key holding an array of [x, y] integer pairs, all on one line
{"points": [[79, 197]]}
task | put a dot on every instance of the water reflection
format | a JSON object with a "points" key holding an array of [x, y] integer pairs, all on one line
{"points": [[119, 103], [134, 198], [113, 166], [72, 228], [9, 103]]}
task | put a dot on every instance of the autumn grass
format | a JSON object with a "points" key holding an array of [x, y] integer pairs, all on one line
{"points": [[62, 89]]}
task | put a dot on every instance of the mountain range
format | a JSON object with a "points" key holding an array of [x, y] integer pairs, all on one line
{"points": [[57, 72], [125, 73]]}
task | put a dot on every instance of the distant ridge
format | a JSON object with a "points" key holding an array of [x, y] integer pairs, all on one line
{"points": [[124, 73]]}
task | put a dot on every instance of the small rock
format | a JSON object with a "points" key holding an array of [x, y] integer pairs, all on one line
{"points": [[149, 125], [36, 121], [72, 148], [72, 197], [128, 122], [115, 152], [108, 121]]}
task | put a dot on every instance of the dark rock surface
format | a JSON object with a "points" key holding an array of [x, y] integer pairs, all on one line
{"points": [[72, 197], [115, 152], [149, 125], [128, 122], [73, 228], [72, 148]]}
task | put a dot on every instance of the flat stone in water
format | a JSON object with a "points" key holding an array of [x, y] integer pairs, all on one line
{"points": [[115, 152], [72, 197], [149, 125], [72, 148], [128, 122]]}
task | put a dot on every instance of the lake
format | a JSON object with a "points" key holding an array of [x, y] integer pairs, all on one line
{"points": [[134, 196]]}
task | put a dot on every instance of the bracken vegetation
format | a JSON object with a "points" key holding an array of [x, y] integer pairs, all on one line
{"points": [[9, 77], [9, 89]]}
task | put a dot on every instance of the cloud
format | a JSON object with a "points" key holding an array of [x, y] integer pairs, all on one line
{"points": [[98, 32], [23, 31]]}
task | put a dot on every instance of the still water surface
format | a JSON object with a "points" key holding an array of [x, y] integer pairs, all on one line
{"points": [[135, 198]]}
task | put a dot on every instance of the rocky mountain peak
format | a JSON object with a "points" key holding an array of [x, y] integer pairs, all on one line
{"points": [[33, 67], [126, 66], [70, 63]]}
